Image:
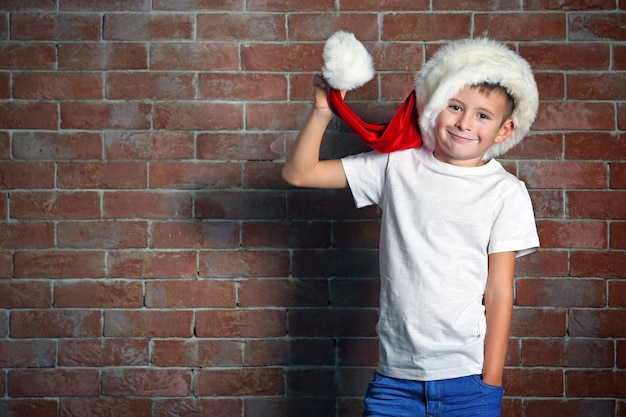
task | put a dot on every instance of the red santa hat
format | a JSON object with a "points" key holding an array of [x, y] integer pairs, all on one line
{"points": [[459, 64]]}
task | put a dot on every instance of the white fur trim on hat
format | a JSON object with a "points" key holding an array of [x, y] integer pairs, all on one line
{"points": [[347, 64], [471, 62]]}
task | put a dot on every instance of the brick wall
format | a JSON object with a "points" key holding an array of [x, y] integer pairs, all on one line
{"points": [[152, 262]]}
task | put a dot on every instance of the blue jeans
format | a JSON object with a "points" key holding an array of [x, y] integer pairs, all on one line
{"points": [[458, 397]]}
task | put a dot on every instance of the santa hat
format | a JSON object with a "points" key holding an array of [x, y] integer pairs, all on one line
{"points": [[457, 65]]}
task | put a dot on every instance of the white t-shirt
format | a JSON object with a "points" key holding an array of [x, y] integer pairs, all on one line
{"points": [[439, 223]]}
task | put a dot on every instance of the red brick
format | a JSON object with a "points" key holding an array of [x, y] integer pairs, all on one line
{"points": [[597, 26], [534, 382], [153, 86], [198, 5], [57, 145], [149, 145], [55, 323], [195, 175], [196, 235], [26, 235], [6, 270], [395, 86], [58, 86], [323, 205], [26, 175], [95, 407], [539, 322], [617, 294], [598, 264], [361, 234], [474, 5], [249, 323], [551, 85], [147, 205], [102, 175], [596, 86], [249, 263], [259, 175], [592, 383], [104, 352], [569, 407], [197, 353], [27, 353], [567, 56], [96, 294], [239, 382], [112, 5], [320, 26], [276, 57], [544, 263], [196, 56], [283, 293], [357, 352], [570, 5], [5, 145], [54, 383], [95, 235], [354, 292], [36, 56], [619, 57], [28, 115], [147, 382], [13, 5], [597, 205], [595, 145], [29, 408], [198, 116], [59, 264], [332, 322], [286, 235], [190, 294], [618, 236], [547, 203], [573, 234], [312, 382], [242, 86], [248, 146], [105, 115], [575, 116], [270, 352], [148, 323], [148, 27], [276, 116], [103, 56], [25, 294], [4, 26], [561, 292], [568, 352], [57, 26], [621, 354], [424, 26], [335, 263], [618, 175], [597, 323], [253, 27], [522, 26], [198, 406], [151, 264], [249, 205], [55, 205], [304, 5]]}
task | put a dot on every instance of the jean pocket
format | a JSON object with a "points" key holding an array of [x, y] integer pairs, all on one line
{"points": [[485, 385]]}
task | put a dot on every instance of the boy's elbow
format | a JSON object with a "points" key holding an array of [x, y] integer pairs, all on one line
{"points": [[289, 176]]}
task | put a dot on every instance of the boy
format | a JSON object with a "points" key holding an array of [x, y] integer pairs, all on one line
{"points": [[453, 223]]}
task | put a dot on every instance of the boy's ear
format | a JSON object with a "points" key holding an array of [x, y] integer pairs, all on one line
{"points": [[505, 130]]}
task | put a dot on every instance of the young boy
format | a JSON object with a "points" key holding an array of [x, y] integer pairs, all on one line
{"points": [[453, 223]]}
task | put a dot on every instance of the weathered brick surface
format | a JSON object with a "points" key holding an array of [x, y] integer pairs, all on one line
{"points": [[153, 262]]}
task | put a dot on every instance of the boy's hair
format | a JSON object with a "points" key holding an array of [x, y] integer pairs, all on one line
{"points": [[476, 62]]}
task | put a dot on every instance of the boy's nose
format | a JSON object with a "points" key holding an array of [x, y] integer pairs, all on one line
{"points": [[463, 122]]}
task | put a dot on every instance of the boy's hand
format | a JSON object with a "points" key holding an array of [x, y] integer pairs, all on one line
{"points": [[321, 94]]}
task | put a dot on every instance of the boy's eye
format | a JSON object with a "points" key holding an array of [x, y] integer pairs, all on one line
{"points": [[454, 107], [483, 116]]}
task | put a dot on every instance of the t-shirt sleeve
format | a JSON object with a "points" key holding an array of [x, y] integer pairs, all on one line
{"points": [[514, 229], [366, 177]]}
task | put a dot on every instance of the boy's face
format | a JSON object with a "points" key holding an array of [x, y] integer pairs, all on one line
{"points": [[472, 122]]}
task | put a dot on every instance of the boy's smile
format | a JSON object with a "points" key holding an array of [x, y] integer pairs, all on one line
{"points": [[469, 125]]}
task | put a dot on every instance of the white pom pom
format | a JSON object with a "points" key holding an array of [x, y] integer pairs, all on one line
{"points": [[347, 64]]}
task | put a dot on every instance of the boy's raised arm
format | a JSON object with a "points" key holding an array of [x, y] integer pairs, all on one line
{"points": [[303, 167]]}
